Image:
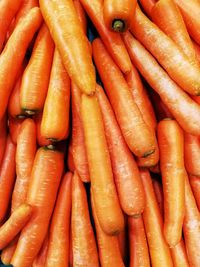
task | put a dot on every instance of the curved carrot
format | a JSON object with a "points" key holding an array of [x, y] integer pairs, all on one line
{"points": [[25, 154], [14, 224], [36, 76], [195, 185], [7, 177], [112, 40], [40, 259], [166, 15], [41, 140], [123, 104], [81, 14], [13, 54], [70, 158], [118, 15], [14, 128], [158, 248], [83, 240], [106, 200], [58, 247], [7, 252], [70, 41], [167, 52], [78, 139], [108, 246], [182, 107], [171, 144], [139, 254], [192, 154], [125, 171], [179, 255], [147, 6], [3, 136], [158, 190], [48, 165], [191, 226], [55, 118]]}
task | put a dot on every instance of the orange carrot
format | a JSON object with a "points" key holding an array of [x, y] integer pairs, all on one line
{"points": [[191, 227], [15, 49], [127, 113], [112, 40], [118, 15], [182, 107], [195, 185], [158, 248], [81, 14], [7, 177], [14, 224], [3, 136], [123, 243], [48, 165], [78, 139], [41, 140], [192, 154], [167, 52], [70, 249], [36, 76], [197, 50], [179, 255], [108, 246], [151, 160], [125, 171], [108, 211], [147, 5], [7, 252], [159, 195], [83, 240], [70, 158], [14, 128], [40, 259], [70, 41], [139, 255], [25, 154]]}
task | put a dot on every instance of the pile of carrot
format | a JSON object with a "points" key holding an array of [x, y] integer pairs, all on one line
{"points": [[100, 173]]}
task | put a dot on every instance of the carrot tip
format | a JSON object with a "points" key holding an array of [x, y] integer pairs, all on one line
{"points": [[118, 25], [148, 153]]}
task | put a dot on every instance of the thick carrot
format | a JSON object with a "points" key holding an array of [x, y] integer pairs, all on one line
{"points": [[41, 140], [106, 200], [166, 15], [25, 154], [3, 136], [78, 139], [158, 248], [48, 165], [14, 224], [70, 158], [118, 15], [36, 76], [195, 185], [81, 14], [182, 107], [15, 49], [112, 40], [14, 128], [167, 52], [70, 41], [125, 170], [40, 259], [192, 154], [7, 252], [108, 246], [179, 255], [147, 6], [139, 254], [127, 113], [8, 10], [83, 240], [55, 118], [7, 177], [171, 144], [191, 226]]}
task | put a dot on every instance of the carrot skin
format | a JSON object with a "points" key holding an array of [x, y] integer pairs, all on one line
{"points": [[7, 252], [14, 126], [70, 158], [195, 185], [81, 14], [179, 255], [3, 136], [158, 190], [147, 6], [41, 140], [40, 259]]}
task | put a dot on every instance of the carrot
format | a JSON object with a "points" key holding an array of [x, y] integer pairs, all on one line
{"points": [[141, 97], [168, 53], [3, 136], [78, 139], [171, 144], [179, 255], [147, 6], [14, 128], [70, 249], [125, 171], [123, 104], [151, 160], [112, 40], [7, 252], [166, 15], [190, 11], [182, 107], [70, 158], [70, 41], [83, 240], [40, 259], [108, 211], [48, 165], [197, 50], [41, 140], [159, 194], [191, 227], [7, 177], [14, 224], [195, 185], [158, 248], [192, 154], [15, 49], [36, 76], [123, 243], [8, 10], [25, 154], [118, 15], [108, 246], [81, 14], [139, 255]]}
